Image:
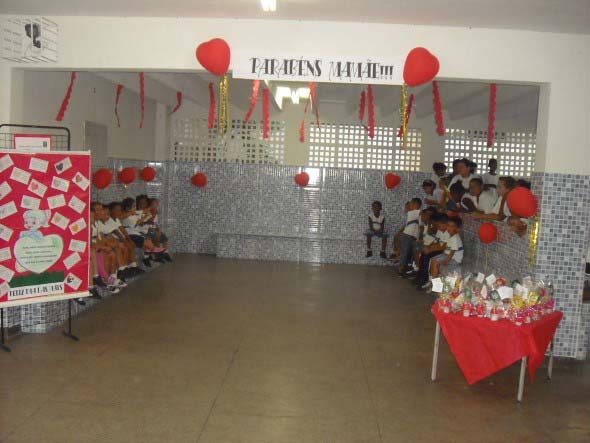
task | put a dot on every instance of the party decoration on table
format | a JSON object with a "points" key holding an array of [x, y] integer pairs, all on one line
{"points": [[211, 121], [492, 115], [102, 178], [310, 99], [420, 67], [66, 100], [522, 202], [487, 233], [117, 97], [392, 180], [253, 100], [142, 97], [438, 115], [126, 175], [302, 179], [491, 297], [147, 174], [215, 56], [199, 180], [178, 102], [408, 113], [265, 113]]}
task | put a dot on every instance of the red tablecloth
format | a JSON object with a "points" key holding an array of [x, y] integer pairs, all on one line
{"points": [[482, 347]]}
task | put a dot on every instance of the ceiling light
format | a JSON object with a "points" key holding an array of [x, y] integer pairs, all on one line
{"points": [[268, 5]]}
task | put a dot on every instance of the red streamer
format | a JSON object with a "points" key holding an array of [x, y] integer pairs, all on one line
{"points": [[66, 101], [492, 115], [117, 97], [211, 106], [178, 102], [142, 97], [265, 103], [438, 116], [253, 100], [315, 103], [302, 131], [400, 132], [371, 112], [362, 106]]}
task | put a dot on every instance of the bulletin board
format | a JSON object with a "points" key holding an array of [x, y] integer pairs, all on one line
{"points": [[44, 226]]}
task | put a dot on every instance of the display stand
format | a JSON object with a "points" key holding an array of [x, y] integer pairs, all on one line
{"points": [[2, 345], [68, 333]]}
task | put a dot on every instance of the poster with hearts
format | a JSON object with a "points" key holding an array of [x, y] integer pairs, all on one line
{"points": [[42, 237]]}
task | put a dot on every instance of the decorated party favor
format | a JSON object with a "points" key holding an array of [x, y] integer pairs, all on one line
{"points": [[44, 226]]}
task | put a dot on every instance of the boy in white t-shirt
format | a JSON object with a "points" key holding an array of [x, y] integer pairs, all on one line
{"points": [[500, 211], [478, 199], [433, 195], [464, 174], [452, 257], [490, 179], [409, 234], [376, 229]]}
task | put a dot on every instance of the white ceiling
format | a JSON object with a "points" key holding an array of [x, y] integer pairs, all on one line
{"points": [[567, 16]]}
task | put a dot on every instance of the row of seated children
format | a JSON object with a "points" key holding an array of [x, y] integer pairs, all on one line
{"points": [[121, 237]]}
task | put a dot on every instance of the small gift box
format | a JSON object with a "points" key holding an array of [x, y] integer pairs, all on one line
{"points": [[467, 309]]}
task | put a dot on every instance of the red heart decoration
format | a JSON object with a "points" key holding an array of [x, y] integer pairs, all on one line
{"points": [[392, 180], [34, 186], [214, 56], [302, 179], [420, 67]]}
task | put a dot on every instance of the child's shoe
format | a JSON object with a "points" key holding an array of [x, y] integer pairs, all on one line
{"points": [[369, 254]]}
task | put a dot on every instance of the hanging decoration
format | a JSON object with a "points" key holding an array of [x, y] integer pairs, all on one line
{"points": [[533, 240], [142, 97], [102, 178], [117, 97], [211, 121], [371, 112], [265, 112], [147, 174], [522, 202], [215, 56], [302, 131], [66, 101], [492, 115], [438, 115], [310, 99], [362, 105], [392, 180], [253, 100], [487, 233], [408, 113], [199, 180], [178, 101], [420, 67], [302, 179], [126, 175], [402, 114]]}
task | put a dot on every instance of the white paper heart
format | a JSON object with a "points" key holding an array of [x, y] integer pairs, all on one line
{"points": [[38, 255]]}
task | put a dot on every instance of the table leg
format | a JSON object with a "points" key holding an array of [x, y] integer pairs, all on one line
{"points": [[435, 353], [550, 367], [521, 379]]}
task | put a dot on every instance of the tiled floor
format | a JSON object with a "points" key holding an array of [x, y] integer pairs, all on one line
{"points": [[221, 351]]}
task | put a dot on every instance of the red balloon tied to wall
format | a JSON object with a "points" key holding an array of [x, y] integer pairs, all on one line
{"points": [[214, 56], [147, 174], [199, 180], [126, 175], [420, 67], [302, 179], [522, 202], [102, 178], [392, 180], [487, 233]]}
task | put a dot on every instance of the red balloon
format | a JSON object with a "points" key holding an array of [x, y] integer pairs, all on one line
{"points": [[102, 178], [126, 175], [420, 67], [199, 180], [302, 179], [392, 180], [214, 56], [147, 174], [522, 202], [487, 233]]}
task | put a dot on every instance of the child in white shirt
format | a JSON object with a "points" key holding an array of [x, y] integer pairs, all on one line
{"points": [[136, 224], [490, 179], [452, 257], [478, 199], [409, 234], [464, 174], [376, 229], [500, 211], [433, 195]]}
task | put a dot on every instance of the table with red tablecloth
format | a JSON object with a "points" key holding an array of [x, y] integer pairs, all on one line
{"points": [[482, 347]]}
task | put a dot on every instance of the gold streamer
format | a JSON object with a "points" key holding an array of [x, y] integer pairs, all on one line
{"points": [[223, 108], [403, 115], [533, 239]]}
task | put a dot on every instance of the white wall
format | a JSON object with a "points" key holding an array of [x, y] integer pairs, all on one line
{"points": [[559, 61], [93, 99]]}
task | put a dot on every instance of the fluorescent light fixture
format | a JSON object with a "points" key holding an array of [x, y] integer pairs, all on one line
{"points": [[294, 94], [268, 5]]}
